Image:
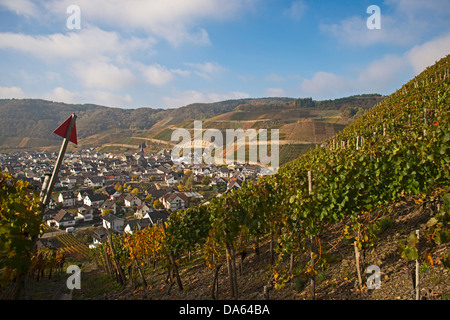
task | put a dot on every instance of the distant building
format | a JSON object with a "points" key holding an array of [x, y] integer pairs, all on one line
{"points": [[175, 201], [67, 199]]}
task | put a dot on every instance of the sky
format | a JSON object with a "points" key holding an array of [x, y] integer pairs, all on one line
{"points": [[170, 53]]}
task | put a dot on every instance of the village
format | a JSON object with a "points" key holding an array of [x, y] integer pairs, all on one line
{"points": [[121, 193]]}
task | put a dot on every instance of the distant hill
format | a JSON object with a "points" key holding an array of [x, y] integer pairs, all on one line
{"points": [[27, 124]]}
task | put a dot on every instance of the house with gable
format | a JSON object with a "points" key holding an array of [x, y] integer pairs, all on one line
{"points": [[63, 219], [94, 200], [113, 222], [109, 204], [67, 199], [175, 201], [136, 225], [132, 200]]}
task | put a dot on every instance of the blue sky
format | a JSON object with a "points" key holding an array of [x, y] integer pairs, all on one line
{"points": [[169, 53]]}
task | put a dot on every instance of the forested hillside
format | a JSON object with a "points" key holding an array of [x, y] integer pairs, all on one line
{"points": [[28, 123]]}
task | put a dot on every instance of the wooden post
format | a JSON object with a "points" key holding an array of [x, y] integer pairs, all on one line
{"points": [[313, 278], [173, 261], [310, 188], [358, 268], [417, 273]]}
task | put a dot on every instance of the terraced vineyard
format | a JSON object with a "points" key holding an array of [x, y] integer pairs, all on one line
{"points": [[72, 246], [397, 152]]}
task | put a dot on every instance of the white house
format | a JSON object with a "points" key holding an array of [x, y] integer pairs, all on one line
{"points": [[94, 182], [109, 204], [86, 213], [62, 219], [136, 225], [113, 222], [234, 184], [132, 200], [68, 199], [94, 200], [175, 201], [98, 236], [142, 210]]}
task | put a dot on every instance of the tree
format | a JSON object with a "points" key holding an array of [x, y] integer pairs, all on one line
{"points": [[148, 198], [106, 212], [20, 223], [188, 181], [157, 204], [117, 186], [205, 180], [135, 191]]}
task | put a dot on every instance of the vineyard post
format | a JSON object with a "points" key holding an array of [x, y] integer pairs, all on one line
{"points": [[417, 272], [136, 261], [173, 261], [313, 278], [120, 275], [357, 256]]}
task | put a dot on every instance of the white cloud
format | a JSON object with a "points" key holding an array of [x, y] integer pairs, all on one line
{"points": [[181, 72], [103, 75], [157, 75], [100, 97], [192, 96], [275, 92], [60, 94], [91, 43], [380, 75], [109, 99], [427, 54], [354, 31], [403, 22], [324, 85], [207, 69], [173, 20], [274, 78], [296, 10], [20, 7], [11, 92]]}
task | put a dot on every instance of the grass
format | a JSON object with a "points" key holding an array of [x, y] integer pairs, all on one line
{"points": [[94, 285]]}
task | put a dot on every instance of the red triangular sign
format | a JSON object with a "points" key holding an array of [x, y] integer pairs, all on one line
{"points": [[62, 130]]}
